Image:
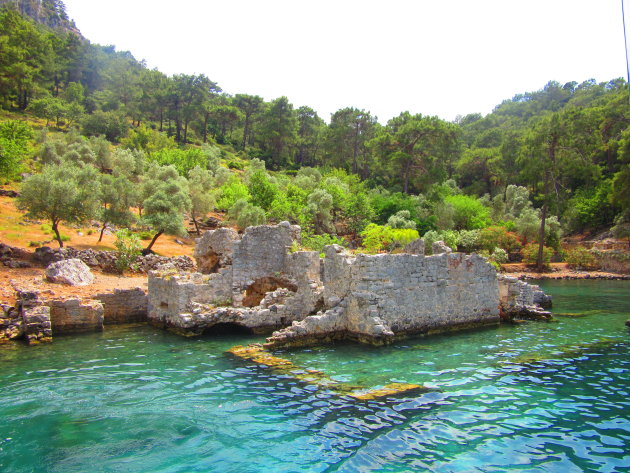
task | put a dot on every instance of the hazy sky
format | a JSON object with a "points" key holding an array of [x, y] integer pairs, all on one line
{"points": [[437, 57]]}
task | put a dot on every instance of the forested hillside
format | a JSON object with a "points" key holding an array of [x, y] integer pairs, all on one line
{"points": [[120, 136]]}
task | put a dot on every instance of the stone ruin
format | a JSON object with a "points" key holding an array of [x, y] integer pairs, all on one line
{"points": [[255, 282]]}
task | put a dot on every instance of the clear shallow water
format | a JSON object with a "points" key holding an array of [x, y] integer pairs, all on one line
{"points": [[532, 398]]}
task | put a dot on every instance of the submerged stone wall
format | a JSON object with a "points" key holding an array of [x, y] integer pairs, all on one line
{"points": [[256, 282]]}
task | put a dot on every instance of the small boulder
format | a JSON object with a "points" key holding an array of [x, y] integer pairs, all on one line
{"points": [[440, 247], [416, 247], [73, 272]]}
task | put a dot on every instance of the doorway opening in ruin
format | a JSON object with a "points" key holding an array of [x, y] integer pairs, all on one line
{"points": [[256, 291], [227, 328]]}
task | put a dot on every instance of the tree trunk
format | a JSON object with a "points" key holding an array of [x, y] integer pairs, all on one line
{"points": [[100, 238], [157, 235], [245, 131], [55, 229], [196, 225]]}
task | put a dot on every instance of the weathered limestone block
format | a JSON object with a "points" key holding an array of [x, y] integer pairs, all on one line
{"points": [[214, 249], [439, 247], [73, 272], [124, 306], [262, 252], [416, 247], [76, 315]]}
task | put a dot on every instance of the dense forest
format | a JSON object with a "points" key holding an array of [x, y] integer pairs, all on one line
{"points": [[107, 138]]}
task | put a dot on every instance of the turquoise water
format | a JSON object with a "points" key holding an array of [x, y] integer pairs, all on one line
{"points": [[530, 398]]}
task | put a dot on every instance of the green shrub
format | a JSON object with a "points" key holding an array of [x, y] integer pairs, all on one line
{"points": [[230, 192], [469, 213], [183, 159], [449, 237], [318, 242], [145, 235], [378, 238], [530, 254], [128, 249], [244, 214], [401, 219], [580, 258]]}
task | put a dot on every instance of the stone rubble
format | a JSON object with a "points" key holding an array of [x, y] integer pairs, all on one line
{"points": [[255, 282], [29, 319]]}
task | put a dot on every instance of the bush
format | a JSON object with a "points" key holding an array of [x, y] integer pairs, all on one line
{"points": [[128, 249], [378, 238], [468, 213], [183, 159], [246, 215], [580, 258], [401, 219], [530, 254], [449, 237], [318, 242], [469, 240], [232, 191], [111, 124], [498, 237], [15, 137]]}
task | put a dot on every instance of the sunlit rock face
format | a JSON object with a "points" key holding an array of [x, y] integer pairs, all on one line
{"points": [[256, 282]]}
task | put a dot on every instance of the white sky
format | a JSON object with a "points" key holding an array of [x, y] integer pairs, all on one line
{"points": [[435, 57]]}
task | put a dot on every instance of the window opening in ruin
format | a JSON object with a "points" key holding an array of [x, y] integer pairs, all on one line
{"points": [[210, 263], [256, 292]]}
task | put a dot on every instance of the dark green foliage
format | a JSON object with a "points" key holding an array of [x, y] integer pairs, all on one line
{"points": [[263, 192], [113, 125]]}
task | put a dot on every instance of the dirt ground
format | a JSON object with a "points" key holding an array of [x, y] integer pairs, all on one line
{"points": [[16, 231], [557, 271]]}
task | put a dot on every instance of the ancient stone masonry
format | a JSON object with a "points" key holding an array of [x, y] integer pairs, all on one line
{"points": [[29, 319], [376, 298], [123, 306], [75, 316], [256, 282], [520, 300]]}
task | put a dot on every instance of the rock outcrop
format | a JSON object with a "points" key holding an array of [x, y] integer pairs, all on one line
{"points": [[521, 300], [255, 282], [72, 272]]}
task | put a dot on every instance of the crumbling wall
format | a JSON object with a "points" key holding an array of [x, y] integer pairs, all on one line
{"points": [[75, 315], [521, 300], [123, 306], [375, 298], [262, 285], [266, 286]]}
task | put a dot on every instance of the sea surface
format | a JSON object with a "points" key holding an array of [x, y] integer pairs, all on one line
{"points": [[537, 397]]}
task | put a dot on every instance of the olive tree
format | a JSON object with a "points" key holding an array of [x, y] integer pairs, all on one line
{"points": [[166, 200], [61, 193]]}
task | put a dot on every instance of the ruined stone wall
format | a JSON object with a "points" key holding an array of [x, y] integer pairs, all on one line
{"points": [[378, 297], [75, 316], [123, 306], [262, 252]]}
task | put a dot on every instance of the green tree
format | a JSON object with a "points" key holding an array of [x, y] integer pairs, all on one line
{"points": [[200, 183], [61, 193], [117, 195], [167, 199]]}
